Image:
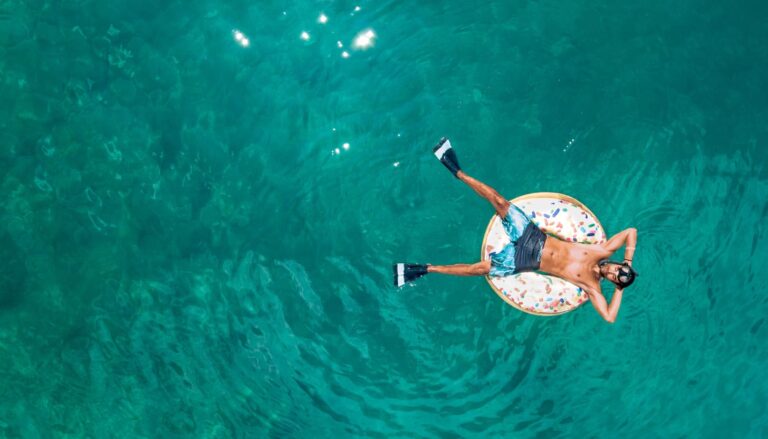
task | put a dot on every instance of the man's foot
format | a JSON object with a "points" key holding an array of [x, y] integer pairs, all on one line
{"points": [[407, 272], [447, 156]]}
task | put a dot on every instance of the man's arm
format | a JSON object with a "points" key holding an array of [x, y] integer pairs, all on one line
{"points": [[608, 312], [628, 236]]}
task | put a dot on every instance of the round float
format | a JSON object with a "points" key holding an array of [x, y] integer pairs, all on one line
{"points": [[557, 215]]}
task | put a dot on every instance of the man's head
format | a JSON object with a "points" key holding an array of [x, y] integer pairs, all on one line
{"points": [[621, 274]]}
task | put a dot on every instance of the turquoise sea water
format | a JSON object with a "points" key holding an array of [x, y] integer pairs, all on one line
{"points": [[185, 253]]}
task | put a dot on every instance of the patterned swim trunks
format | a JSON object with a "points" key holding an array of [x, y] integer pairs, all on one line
{"points": [[514, 222]]}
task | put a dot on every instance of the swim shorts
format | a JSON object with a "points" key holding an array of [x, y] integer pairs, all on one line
{"points": [[526, 241]]}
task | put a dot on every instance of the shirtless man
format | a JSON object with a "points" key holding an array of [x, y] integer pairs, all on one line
{"points": [[531, 250]]}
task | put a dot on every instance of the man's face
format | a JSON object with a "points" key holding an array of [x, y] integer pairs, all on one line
{"points": [[610, 271]]}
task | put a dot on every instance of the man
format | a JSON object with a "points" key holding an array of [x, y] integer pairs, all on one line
{"points": [[530, 249]]}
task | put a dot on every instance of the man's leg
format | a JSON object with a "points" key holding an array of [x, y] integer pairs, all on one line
{"points": [[404, 273], [500, 204], [447, 156], [477, 269]]}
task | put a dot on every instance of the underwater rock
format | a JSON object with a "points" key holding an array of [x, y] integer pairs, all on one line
{"points": [[30, 107], [12, 32], [13, 272], [124, 90], [81, 67], [75, 41], [47, 33], [10, 146], [156, 71], [25, 55], [204, 148]]}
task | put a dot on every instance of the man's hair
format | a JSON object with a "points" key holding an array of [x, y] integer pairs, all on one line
{"points": [[625, 276]]}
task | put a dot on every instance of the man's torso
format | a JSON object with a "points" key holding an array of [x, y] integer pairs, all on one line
{"points": [[574, 262]]}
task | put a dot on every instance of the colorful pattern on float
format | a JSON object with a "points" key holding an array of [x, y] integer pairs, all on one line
{"points": [[555, 214]]}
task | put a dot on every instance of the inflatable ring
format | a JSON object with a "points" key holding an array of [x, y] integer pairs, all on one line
{"points": [[555, 214]]}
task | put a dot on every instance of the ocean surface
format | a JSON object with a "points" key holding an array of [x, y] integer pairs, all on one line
{"points": [[202, 200]]}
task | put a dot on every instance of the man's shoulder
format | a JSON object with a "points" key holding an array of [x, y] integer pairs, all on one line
{"points": [[600, 251]]}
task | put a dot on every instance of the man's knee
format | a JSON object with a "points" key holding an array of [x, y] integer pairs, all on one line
{"points": [[481, 268], [502, 206]]}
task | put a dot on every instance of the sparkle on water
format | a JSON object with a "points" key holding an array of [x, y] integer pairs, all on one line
{"points": [[364, 39]]}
